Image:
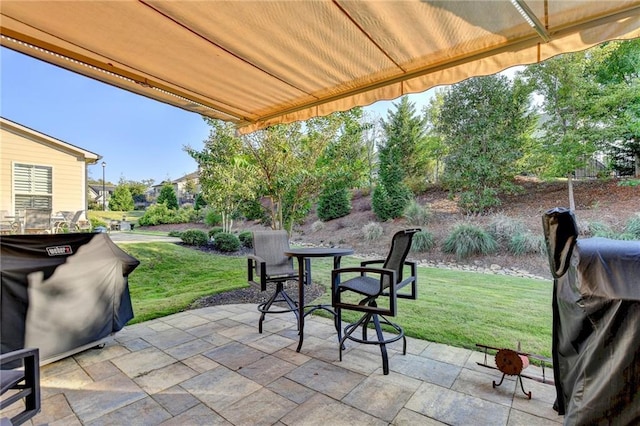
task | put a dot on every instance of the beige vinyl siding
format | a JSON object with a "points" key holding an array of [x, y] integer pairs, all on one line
{"points": [[68, 170]]}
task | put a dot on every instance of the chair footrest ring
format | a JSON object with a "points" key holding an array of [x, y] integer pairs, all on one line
{"points": [[271, 309], [350, 328]]}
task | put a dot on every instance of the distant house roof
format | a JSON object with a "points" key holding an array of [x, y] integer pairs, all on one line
{"points": [[97, 188], [192, 175], [12, 126]]}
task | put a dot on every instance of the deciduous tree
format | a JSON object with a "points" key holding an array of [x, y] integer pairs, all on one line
{"points": [[226, 176], [484, 122]]}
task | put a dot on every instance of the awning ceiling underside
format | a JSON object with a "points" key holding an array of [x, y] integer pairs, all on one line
{"points": [[257, 63]]}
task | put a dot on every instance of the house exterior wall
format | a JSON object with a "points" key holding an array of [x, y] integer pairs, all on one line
{"points": [[69, 172]]}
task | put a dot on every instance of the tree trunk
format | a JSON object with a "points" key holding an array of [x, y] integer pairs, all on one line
{"points": [[572, 202]]}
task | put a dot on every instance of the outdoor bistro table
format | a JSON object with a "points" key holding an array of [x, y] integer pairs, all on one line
{"points": [[301, 254]]}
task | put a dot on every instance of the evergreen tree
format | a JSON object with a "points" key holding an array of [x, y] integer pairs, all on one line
{"points": [[403, 131], [405, 128], [168, 197], [121, 200]]}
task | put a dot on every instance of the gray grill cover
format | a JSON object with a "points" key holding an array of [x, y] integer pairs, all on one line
{"points": [[62, 291], [597, 334]]}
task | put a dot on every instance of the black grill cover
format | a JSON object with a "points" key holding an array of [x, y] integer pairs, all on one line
{"points": [[62, 291], [597, 334]]}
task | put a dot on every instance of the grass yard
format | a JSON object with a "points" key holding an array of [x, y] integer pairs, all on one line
{"points": [[453, 307], [170, 277], [106, 216]]}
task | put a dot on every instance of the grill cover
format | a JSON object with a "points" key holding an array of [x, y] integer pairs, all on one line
{"points": [[597, 334], [61, 292]]}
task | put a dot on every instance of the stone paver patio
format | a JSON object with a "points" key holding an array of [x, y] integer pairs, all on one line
{"points": [[211, 367]]}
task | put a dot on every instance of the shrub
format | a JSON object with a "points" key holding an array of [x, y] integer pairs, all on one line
{"points": [[599, 229], [390, 202], [95, 222], [188, 214], [422, 241], [504, 228], [316, 226], [372, 231], [629, 182], [416, 214], [159, 214], [226, 242], [215, 231], [194, 237], [212, 217], [333, 203], [632, 228], [466, 240], [175, 234], [478, 202], [525, 243], [246, 239]]}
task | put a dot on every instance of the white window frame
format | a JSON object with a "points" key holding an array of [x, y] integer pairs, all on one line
{"points": [[34, 181]]}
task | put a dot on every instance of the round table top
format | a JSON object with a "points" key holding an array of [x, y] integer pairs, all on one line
{"points": [[318, 251]]}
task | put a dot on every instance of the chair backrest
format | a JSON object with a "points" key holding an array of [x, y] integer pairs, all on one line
{"points": [[37, 219], [76, 217], [270, 246], [400, 246]]}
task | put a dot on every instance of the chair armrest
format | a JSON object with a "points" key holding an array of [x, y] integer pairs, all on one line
{"points": [[372, 262], [19, 354], [258, 264], [363, 271], [390, 292]]}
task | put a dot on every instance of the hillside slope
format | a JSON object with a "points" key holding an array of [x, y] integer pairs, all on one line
{"points": [[596, 201]]}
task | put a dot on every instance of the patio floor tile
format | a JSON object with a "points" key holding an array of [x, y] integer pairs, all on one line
{"points": [[329, 379], [455, 408], [320, 410], [100, 398], [143, 412], [267, 369], [382, 396], [262, 407], [165, 377], [429, 370], [142, 362], [220, 387], [175, 400], [235, 355]]}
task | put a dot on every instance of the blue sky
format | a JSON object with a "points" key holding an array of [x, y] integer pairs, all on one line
{"points": [[138, 138]]}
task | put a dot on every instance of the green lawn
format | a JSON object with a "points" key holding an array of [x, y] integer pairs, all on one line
{"points": [[106, 216], [453, 307]]}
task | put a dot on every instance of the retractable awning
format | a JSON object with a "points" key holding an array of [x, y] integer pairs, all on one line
{"points": [[257, 63]]}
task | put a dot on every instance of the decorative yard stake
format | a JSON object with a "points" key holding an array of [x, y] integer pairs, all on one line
{"points": [[512, 363]]}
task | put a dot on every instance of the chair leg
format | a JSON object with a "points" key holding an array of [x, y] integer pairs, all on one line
{"points": [[383, 346], [278, 296], [380, 340]]}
